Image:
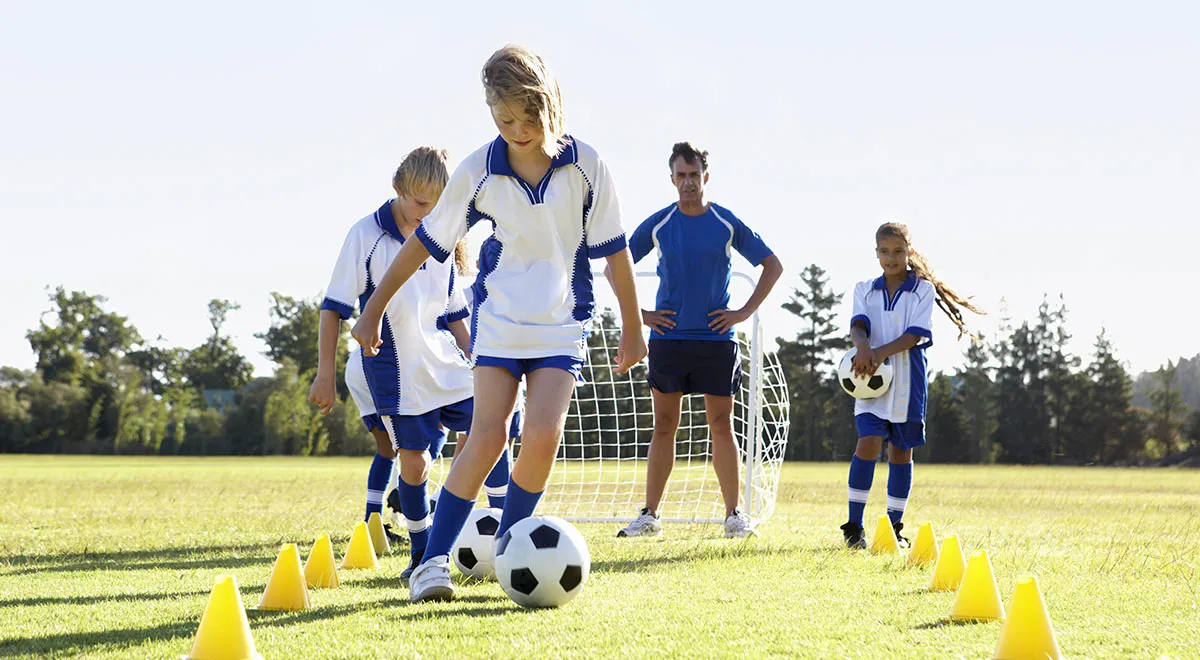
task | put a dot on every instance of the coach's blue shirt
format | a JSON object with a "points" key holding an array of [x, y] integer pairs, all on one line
{"points": [[694, 264]]}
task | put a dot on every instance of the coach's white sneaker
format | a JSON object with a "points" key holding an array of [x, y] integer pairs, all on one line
{"points": [[646, 524], [431, 581], [739, 526]]}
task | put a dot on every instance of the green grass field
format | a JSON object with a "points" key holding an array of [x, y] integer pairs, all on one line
{"points": [[114, 557]]}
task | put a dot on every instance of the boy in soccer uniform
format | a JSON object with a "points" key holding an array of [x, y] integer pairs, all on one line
{"points": [[553, 207], [419, 379], [693, 348], [893, 319]]}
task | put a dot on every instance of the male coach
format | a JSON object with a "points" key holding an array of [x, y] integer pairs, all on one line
{"points": [[693, 348]]}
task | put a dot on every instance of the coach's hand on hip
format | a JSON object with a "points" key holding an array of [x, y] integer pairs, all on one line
{"points": [[723, 320], [366, 332], [660, 320]]}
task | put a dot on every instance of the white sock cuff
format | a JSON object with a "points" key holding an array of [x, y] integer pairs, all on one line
{"points": [[497, 491], [374, 496], [896, 503], [859, 496], [417, 526]]}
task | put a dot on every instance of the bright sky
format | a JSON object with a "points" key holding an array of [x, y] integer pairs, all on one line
{"points": [[163, 153]]}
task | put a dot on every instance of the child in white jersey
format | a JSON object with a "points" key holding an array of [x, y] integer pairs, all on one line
{"points": [[419, 378], [552, 206], [893, 319]]}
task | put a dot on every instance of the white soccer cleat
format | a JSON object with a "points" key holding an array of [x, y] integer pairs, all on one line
{"points": [[431, 581], [739, 526], [644, 525]]}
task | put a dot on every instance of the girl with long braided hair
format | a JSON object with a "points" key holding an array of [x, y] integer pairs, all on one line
{"points": [[893, 319]]}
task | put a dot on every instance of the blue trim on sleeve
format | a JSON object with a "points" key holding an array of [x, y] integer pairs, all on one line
{"points": [[435, 250], [458, 315], [607, 248], [343, 310], [864, 318], [920, 332]]}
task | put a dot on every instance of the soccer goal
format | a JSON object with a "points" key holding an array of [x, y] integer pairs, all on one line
{"points": [[600, 474]]}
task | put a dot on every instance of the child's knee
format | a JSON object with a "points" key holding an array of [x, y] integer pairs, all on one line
{"points": [[414, 466], [383, 444], [868, 447], [898, 455]]}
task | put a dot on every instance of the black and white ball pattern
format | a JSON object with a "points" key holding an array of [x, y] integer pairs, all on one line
{"points": [[542, 561], [473, 552]]}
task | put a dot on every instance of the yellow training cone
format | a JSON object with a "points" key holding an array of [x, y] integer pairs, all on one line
{"points": [[320, 570], [1027, 632], [378, 538], [286, 589], [949, 570], [978, 596], [224, 632], [360, 554], [924, 549], [884, 541]]}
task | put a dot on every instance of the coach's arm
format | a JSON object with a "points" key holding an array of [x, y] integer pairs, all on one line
{"points": [[724, 319]]}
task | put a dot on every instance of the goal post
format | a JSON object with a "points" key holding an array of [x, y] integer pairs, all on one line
{"points": [[600, 470]]}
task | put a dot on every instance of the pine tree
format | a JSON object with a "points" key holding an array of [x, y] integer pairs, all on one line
{"points": [[808, 359], [946, 423], [1168, 413], [978, 395]]}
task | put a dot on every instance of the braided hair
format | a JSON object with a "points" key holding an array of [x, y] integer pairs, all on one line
{"points": [[951, 302]]}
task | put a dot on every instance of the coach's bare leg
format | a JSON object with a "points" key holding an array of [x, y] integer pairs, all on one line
{"points": [[718, 411], [383, 444], [547, 398], [661, 459], [495, 395]]}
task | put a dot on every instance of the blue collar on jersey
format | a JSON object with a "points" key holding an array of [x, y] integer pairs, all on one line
{"points": [[909, 284], [497, 162], [387, 222]]}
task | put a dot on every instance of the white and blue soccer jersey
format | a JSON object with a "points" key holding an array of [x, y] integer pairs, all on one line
{"points": [[533, 296], [419, 367], [695, 264], [910, 311]]}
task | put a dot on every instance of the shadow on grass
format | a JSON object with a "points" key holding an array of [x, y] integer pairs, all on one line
{"points": [[948, 623], [92, 641], [165, 558], [394, 608], [89, 600]]}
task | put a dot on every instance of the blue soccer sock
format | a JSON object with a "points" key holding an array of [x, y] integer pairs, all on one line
{"points": [[518, 505], [496, 483], [415, 504], [452, 514], [377, 483], [862, 473], [899, 484]]}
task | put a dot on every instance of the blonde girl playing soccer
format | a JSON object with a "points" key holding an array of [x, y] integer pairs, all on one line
{"points": [[552, 205], [893, 318]]}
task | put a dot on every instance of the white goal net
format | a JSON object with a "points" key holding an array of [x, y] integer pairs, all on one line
{"points": [[600, 474]]}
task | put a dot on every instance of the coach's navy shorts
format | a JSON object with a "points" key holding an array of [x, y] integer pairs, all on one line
{"points": [[904, 435], [695, 366], [424, 431]]}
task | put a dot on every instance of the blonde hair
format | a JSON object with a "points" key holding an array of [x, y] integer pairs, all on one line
{"points": [[424, 170], [518, 76], [948, 299]]}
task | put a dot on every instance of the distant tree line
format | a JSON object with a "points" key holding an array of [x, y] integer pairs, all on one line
{"points": [[99, 387]]}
